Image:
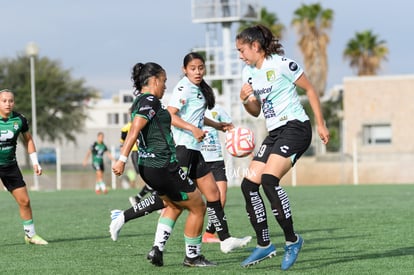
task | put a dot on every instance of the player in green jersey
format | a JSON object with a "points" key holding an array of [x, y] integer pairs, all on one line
{"points": [[97, 150], [11, 125], [158, 163]]}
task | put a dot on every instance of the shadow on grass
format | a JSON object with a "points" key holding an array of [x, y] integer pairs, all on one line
{"points": [[398, 252]]}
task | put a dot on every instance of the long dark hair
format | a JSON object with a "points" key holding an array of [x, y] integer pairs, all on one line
{"points": [[142, 72], [264, 36], [204, 87]]}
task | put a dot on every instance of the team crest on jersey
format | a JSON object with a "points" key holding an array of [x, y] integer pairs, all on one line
{"points": [[16, 126], [271, 75], [293, 66], [182, 101], [214, 114], [180, 88]]}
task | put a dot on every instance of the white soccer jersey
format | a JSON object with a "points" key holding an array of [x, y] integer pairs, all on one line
{"points": [[211, 145], [190, 102], [273, 85]]}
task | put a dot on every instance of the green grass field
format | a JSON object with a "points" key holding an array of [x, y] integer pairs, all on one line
{"points": [[347, 230]]}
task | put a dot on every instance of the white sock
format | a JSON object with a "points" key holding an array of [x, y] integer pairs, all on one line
{"points": [[28, 227], [164, 229]]}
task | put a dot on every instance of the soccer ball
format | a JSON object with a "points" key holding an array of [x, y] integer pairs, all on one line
{"points": [[239, 142]]}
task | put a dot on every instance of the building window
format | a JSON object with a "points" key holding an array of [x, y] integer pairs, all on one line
{"points": [[375, 134], [126, 118], [127, 99], [113, 119]]}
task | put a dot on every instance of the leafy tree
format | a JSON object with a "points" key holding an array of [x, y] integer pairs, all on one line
{"points": [[365, 53], [312, 24], [60, 99]]}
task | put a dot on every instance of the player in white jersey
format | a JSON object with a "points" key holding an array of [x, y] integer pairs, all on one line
{"points": [[270, 81], [188, 102], [213, 155]]}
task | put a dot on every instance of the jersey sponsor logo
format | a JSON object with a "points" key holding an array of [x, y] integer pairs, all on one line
{"points": [[263, 91], [144, 108], [293, 66], [6, 135], [271, 75], [151, 114]]}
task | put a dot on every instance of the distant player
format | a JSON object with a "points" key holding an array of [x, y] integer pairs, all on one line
{"points": [[98, 149]]}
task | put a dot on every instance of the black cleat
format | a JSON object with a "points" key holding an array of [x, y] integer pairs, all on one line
{"points": [[199, 261], [155, 256]]}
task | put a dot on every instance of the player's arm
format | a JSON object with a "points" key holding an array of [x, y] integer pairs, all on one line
{"points": [[31, 149], [221, 126], [178, 122], [250, 102], [313, 97], [137, 125]]}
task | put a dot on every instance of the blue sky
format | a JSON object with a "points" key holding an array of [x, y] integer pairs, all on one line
{"points": [[100, 41]]}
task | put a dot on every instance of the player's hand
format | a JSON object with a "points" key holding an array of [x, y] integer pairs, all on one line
{"points": [[37, 169], [198, 134], [118, 168], [323, 133], [246, 91]]}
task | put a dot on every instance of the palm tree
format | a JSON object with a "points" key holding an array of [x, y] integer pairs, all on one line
{"points": [[267, 19], [365, 52], [312, 23]]}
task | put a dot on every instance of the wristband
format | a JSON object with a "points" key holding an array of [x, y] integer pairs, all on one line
{"points": [[246, 100], [33, 158], [123, 158]]}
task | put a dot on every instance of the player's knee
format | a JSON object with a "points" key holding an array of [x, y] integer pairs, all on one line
{"points": [[248, 187], [269, 182]]}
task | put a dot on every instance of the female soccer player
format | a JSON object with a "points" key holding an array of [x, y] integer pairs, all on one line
{"points": [[11, 125], [157, 159], [190, 98], [213, 155], [270, 81]]}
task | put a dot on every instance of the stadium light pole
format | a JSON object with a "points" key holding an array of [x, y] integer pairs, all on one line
{"points": [[32, 51]]}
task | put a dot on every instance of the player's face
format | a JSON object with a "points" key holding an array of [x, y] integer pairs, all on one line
{"points": [[160, 85], [249, 53], [195, 70], [6, 103]]}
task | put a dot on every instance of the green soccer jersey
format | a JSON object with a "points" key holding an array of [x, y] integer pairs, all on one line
{"points": [[98, 150], [156, 144], [10, 128]]}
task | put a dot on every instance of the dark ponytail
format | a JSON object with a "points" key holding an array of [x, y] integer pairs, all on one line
{"points": [[264, 36], [142, 72]]}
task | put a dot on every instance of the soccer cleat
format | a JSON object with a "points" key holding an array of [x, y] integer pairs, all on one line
{"points": [[133, 200], [117, 221], [210, 238], [232, 243], [291, 253], [199, 261], [259, 254], [36, 239], [155, 256]]}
